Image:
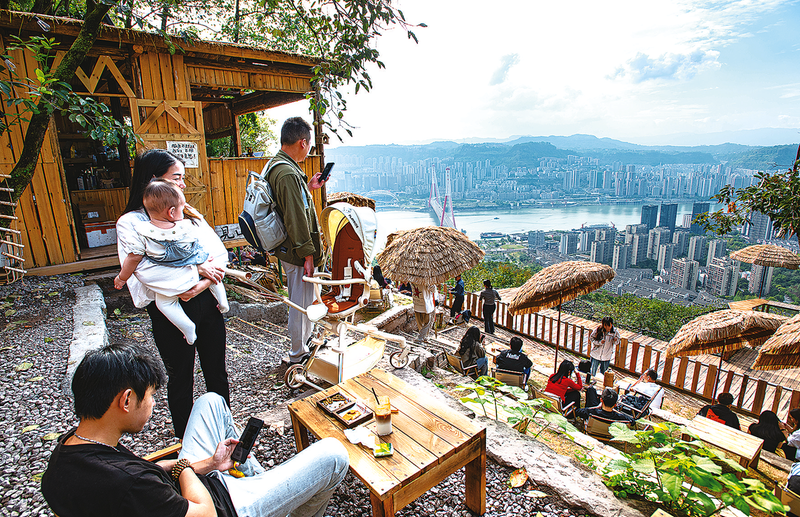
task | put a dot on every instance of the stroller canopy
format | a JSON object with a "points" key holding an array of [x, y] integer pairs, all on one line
{"points": [[363, 220]]}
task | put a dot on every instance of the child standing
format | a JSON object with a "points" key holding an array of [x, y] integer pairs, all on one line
{"points": [[168, 240]]}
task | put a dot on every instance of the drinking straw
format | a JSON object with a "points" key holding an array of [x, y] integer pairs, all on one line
{"points": [[376, 396]]}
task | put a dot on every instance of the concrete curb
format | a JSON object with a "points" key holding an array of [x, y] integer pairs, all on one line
{"points": [[89, 328]]}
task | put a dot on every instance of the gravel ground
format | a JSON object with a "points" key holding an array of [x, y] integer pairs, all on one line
{"points": [[36, 323]]}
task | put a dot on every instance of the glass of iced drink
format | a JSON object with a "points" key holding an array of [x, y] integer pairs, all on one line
{"points": [[383, 416]]}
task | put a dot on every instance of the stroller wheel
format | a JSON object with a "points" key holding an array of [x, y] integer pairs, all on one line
{"points": [[397, 360], [294, 377]]}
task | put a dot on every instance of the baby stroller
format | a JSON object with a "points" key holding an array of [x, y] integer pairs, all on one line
{"points": [[350, 233]]}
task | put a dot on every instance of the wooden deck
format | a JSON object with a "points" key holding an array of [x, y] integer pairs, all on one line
{"points": [[753, 391]]}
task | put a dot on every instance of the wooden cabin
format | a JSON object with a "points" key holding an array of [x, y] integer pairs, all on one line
{"points": [[175, 100]]}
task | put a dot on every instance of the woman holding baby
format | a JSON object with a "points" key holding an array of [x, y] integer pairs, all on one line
{"points": [[164, 268]]}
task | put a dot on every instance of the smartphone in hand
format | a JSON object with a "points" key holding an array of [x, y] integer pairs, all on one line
{"points": [[326, 172], [247, 440]]}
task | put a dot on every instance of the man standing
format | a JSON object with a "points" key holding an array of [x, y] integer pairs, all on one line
{"points": [[424, 308], [721, 411], [91, 474], [301, 252], [458, 297]]}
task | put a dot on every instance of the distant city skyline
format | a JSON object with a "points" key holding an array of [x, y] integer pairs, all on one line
{"points": [[643, 72]]}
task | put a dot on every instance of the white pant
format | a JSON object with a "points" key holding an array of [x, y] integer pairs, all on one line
{"points": [[171, 308], [301, 486], [302, 294]]}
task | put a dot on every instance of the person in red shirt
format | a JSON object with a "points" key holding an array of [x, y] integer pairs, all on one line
{"points": [[562, 386]]}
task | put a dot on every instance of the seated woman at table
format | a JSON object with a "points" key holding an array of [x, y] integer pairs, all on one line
{"points": [[793, 440], [769, 429], [471, 351], [567, 390]]}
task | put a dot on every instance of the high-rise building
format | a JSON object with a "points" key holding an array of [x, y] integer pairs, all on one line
{"points": [[568, 244], [687, 221], [599, 252], [649, 216], [639, 248], [697, 209], [760, 280], [633, 229], [657, 237], [724, 275], [681, 241], [586, 239], [760, 227], [716, 249], [665, 252], [698, 246], [535, 239], [622, 256], [684, 273], [669, 216]]}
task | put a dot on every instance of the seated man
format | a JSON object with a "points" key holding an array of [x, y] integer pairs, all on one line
{"points": [[515, 360], [721, 411], [646, 385], [605, 410], [793, 483], [91, 474]]}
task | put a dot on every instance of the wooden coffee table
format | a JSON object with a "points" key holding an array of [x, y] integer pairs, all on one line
{"points": [[430, 440], [739, 443]]}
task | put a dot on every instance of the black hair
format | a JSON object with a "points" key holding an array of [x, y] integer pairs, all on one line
{"points": [[161, 194], [565, 369], [768, 428], [470, 339], [516, 344], [106, 372], [726, 399], [487, 284], [294, 130], [652, 374], [600, 333], [610, 397], [153, 163], [795, 414]]}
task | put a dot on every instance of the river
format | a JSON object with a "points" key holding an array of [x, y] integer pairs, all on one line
{"points": [[522, 219]]}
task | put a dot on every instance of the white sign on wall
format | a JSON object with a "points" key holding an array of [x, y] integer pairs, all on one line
{"points": [[186, 151]]}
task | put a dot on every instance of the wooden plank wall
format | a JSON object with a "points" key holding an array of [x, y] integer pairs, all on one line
{"points": [[114, 200], [752, 392], [45, 217], [216, 77], [229, 180]]}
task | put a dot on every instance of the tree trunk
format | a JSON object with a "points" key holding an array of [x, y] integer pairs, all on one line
{"points": [[165, 16], [25, 167]]}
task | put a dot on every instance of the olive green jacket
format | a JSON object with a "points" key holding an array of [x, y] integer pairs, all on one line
{"points": [[296, 207]]}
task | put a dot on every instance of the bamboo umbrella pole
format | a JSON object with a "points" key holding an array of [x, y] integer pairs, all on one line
{"points": [[719, 368], [558, 334]]}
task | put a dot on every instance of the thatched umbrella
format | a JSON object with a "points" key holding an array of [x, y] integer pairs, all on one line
{"points": [[557, 284], [349, 197], [428, 256], [729, 329], [782, 350], [767, 255]]}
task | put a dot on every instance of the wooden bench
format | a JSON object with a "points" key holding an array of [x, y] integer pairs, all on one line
{"points": [[738, 443]]}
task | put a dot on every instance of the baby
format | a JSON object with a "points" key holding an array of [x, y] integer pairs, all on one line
{"points": [[171, 241]]}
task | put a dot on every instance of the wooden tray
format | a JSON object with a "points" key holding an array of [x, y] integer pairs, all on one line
{"points": [[366, 415], [332, 407]]}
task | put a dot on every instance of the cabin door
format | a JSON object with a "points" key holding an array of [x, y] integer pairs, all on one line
{"points": [[176, 126]]}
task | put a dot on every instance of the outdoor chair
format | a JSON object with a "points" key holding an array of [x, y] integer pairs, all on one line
{"points": [[638, 413], [510, 377], [568, 411], [788, 498], [467, 371]]}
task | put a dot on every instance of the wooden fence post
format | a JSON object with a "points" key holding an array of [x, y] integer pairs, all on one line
{"points": [[648, 351], [680, 380], [742, 391], [708, 387], [695, 376], [776, 399], [667, 375], [622, 354], [634, 356]]}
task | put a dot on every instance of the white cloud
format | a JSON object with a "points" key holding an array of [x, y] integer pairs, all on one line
{"points": [[506, 62]]}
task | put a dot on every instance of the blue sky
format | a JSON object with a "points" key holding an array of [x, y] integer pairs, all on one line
{"points": [[638, 71]]}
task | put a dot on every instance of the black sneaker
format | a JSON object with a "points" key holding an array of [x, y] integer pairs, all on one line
{"points": [[302, 360]]}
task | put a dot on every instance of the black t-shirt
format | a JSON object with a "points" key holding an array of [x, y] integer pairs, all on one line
{"points": [[721, 414], [96, 480], [513, 361]]}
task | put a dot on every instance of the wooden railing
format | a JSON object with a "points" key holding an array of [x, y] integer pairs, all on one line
{"points": [[751, 396]]}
